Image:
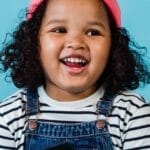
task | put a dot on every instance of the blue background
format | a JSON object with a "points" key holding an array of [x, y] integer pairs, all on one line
{"points": [[135, 18]]}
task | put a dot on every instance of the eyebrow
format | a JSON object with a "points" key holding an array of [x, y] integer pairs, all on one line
{"points": [[97, 23], [55, 21]]}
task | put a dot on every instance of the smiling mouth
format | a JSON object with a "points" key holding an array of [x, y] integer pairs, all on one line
{"points": [[75, 62]]}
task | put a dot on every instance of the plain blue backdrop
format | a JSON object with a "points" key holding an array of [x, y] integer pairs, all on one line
{"points": [[135, 18]]}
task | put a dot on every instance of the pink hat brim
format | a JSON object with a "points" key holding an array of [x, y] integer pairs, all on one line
{"points": [[112, 5]]}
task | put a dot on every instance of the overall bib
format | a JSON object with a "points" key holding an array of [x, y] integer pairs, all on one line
{"points": [[92, 135]]}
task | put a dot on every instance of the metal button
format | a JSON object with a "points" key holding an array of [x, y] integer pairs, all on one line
{"points": [[32, 124], [100, 124]]}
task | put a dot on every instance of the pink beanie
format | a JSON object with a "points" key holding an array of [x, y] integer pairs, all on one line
{"points": [[112, 5]]}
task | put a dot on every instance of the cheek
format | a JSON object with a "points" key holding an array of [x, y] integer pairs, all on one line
{"points": [[99, 58], [50, 49], [100, 53]]}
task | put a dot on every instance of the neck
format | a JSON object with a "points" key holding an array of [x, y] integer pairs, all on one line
{"points": [[70, 95]]}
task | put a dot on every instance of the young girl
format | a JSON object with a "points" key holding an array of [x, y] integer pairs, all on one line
{"points": [[75, 66]]}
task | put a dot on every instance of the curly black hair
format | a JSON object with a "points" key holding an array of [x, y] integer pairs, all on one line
{"points": [[125, 69]]}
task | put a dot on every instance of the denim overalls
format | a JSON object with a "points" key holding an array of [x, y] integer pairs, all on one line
{"points": [[92, 135]]}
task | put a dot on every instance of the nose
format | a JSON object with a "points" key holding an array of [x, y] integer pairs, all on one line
{"points": [[75, 43]]}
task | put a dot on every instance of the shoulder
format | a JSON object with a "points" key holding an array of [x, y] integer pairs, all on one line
{"points": [[14, 100], [12, 109], [132, 108], [129, 101], [128, 105], [129, 118], [12, 120], [129, 108]]}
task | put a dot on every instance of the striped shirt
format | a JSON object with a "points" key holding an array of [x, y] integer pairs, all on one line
{"points": [[129, 121]]}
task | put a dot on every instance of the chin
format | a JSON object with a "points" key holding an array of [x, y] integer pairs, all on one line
{"points": [[78, 90]]}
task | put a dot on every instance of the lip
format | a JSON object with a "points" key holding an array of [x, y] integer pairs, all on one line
{"points": [[75, 69], [76, 56]]}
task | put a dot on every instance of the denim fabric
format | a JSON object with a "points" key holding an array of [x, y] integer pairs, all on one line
{"points": [[68, 136]]}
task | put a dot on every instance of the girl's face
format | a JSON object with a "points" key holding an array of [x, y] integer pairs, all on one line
{"points": [[75, 42]]}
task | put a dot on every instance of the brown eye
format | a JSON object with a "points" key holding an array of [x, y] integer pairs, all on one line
{"points": [[59, 30], [93, 32]]}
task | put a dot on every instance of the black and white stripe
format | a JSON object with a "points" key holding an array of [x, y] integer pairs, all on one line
{"points": [[129, 122]]}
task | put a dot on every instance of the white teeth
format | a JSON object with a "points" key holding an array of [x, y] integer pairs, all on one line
{"points": [[83, 61], [74, 60]]}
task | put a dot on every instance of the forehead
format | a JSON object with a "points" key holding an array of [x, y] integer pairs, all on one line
{"points": [[80, 8]]}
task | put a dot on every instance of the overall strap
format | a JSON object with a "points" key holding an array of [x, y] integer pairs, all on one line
{"points": [[32, 106], [104, 106]]}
